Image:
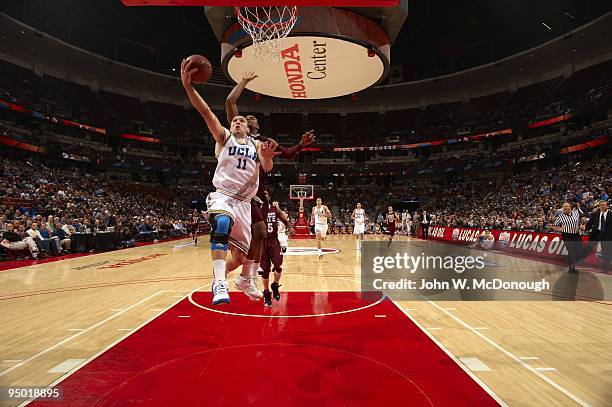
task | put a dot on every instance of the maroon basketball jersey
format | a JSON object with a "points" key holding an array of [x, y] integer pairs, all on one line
{"points": [[270, 214], [260, 187], [390, 219]]}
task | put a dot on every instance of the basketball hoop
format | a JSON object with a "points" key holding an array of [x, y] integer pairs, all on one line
{"points": [[301, 193], [267, 27]]}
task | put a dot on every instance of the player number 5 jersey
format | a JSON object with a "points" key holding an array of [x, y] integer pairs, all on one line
{"points": [[237, 172]]}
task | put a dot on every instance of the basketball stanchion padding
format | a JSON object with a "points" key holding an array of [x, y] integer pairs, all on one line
{"points": [[301, 193]]}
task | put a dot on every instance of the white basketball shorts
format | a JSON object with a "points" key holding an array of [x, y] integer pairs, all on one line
{"points": [[237, 209], [321, 229], [359, 229]]}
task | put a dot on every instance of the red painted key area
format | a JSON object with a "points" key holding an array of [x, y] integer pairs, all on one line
{"points": [[364, 351]]}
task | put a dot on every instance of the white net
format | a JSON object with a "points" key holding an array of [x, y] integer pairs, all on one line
{"points": [[301, 191], [267, 26]]}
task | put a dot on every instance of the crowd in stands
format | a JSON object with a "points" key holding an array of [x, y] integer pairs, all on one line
{"points": [[178, 127], [523, 202], [46, 205], [43, 203]]}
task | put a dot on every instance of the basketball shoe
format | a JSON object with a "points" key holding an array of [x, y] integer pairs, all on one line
{"points": [[249, 287], [275, 291], [220, 292], [267, 298]]}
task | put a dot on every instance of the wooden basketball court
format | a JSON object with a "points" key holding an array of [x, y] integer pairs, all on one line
{"points": [[72, 322]]}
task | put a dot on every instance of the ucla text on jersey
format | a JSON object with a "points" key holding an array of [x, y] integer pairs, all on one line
{"points": [[242, 151]]}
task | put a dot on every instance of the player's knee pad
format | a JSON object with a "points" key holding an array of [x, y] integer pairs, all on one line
{"points": [[221, 228]]}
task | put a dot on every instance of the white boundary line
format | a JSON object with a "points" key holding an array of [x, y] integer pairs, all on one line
{"points": [[42, 352], [453, 357], [192, 301], [310, 251], [67, 375], [179, 246], [548, 380]]}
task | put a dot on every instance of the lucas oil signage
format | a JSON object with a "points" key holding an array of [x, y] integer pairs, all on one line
{"points": [[529, 244]]}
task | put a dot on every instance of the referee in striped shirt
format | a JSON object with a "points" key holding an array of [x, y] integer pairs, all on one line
{"points": [[568, 223]]}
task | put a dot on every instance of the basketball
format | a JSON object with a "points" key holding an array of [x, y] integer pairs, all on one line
{"points": [[202, 75]]}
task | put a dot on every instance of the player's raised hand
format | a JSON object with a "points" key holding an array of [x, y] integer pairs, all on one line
{"points": [[248, 76], [307, 138], [187, 72], [273, 144], [267, 150]]}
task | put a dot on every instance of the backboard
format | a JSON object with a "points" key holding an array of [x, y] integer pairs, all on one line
{"points": [[301, 192]]}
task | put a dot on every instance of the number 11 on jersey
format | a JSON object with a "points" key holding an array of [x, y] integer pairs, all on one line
{"points": [[242, 164]]}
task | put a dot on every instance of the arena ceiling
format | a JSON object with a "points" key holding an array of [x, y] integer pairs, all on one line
{"points": [[439, 37]]}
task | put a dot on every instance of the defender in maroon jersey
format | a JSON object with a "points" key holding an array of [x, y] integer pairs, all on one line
{"points": [[258, 225], [391, 219], [271, 249], [194, 224]]}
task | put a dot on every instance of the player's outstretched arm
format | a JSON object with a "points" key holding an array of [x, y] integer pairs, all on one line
{"points": [[265, 152], [290, 152], [212, 122], [231, 109]]}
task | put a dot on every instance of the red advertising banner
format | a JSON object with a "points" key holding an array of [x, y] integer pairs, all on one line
{"points": [[583, 146], [141, 138], [53, 119], [425, 143], [18, 144], [552, 120], [532, 245]]}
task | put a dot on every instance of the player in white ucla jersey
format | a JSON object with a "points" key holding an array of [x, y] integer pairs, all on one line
{"points": [[236, 179], [360, 218], [318, 218]]}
